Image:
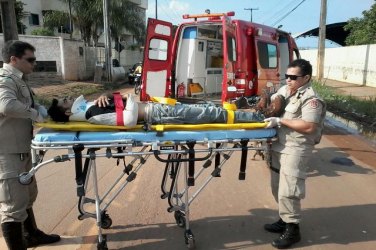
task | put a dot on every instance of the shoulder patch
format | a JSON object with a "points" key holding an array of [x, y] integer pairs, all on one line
{"points": [[314, 103]]}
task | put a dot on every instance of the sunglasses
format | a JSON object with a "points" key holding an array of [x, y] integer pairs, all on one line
{"points": [[292, 77], [30, 59]]}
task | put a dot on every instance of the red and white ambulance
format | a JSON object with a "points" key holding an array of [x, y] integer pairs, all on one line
{"points": [[214, 57]]}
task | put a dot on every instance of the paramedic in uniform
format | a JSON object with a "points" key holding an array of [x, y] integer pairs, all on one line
{"points": [[17, 111], [299, 129]]}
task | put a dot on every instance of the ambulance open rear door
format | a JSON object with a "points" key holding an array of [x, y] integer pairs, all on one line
{"points": [[156, 75], [229, 59]]}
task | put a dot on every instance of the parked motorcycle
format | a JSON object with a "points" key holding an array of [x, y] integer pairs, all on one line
{"points": [[137, 83], [136, 69]]}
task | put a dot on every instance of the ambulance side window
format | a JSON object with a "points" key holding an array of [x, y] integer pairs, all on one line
{"points": [[267, 55], [231, 49], [158, 49]]}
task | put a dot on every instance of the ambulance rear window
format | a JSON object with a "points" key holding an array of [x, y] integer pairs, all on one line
{"points": [[158, 49], [267, 55]]}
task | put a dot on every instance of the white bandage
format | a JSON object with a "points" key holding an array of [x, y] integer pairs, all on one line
{"points": [[130, 113]]}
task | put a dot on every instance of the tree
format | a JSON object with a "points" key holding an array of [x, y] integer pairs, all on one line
{"points": [[19, 15], [18, 7], [363, 29], [88, 17]]}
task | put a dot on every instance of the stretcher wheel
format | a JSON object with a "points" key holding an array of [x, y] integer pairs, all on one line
{"points": [[189, 239], [23, 180], [191, 244], [106, 221], [179, 218], [102, 245]]}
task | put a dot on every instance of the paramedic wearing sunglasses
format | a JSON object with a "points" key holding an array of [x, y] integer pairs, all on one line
{"points": [[299, 129], [17, 111]]}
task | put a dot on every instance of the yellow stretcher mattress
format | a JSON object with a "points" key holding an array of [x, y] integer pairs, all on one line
{"points": [[85, 126]]}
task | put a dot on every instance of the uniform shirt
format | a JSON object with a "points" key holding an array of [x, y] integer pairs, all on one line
{"points": [[305, 105], [16, 112]]}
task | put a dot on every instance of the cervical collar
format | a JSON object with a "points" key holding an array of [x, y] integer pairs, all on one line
{"points": [[79, 108]]}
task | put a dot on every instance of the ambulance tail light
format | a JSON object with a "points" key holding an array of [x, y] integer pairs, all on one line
{"points": [[240, 83]]}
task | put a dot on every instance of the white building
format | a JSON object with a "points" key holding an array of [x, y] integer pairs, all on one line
{"points": [[34, 10]]}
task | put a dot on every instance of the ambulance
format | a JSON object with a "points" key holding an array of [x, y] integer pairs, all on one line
{"points": [[212, 57]]}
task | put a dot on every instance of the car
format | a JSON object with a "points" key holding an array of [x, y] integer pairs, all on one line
{"points": [[132, 74]]}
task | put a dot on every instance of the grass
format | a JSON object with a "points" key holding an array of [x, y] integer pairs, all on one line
{"points": [[361, 108], [76, 90]]}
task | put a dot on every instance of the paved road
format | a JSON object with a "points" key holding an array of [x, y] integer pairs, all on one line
{"points": [[339, 211]]}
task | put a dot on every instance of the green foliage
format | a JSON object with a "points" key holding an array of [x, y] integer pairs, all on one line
{"points": [[54, 19], [87, 15], [360, 107], [362, 30], [43, 32], [18, 7]]}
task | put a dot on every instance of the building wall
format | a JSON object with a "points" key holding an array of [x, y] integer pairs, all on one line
{"points": [[74, 61], [353, 64]]}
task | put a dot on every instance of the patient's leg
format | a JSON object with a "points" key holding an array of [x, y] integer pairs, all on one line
{"points": [[248, 116]]}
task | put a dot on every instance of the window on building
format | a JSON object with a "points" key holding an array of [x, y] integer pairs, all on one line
{"points": [[34, 19], [45, 66]]}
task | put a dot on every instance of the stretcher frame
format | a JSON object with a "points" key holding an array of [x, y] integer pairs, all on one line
{"points": [[179, 158]]}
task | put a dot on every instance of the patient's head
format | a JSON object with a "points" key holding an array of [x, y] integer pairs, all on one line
{"points": [[60, 109]]}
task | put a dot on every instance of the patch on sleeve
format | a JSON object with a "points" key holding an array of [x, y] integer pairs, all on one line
{"points": [[314, 103]]}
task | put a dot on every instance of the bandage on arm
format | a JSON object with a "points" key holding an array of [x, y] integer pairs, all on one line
{"points": [[130, 113]]}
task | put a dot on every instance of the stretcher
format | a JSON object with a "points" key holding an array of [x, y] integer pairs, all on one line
{"points": [[179, 149]]}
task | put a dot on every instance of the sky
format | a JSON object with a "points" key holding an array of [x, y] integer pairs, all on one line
{"points": [[270, 12]]}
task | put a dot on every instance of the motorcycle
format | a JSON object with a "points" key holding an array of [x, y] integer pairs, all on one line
{"points": [[137, 83]]}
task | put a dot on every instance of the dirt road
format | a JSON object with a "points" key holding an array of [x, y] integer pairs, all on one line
{"points": [[339, 211]]}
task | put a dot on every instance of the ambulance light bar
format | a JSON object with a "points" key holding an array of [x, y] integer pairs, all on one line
{"points": [[187, 16]]}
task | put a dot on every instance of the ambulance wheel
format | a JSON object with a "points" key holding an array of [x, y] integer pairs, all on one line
{"points": [[106, 221], [180, 218]]}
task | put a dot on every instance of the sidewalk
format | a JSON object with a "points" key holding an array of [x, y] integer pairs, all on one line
{"points": [[363, 92]]}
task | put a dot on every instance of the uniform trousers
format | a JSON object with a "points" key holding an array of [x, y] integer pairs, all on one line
{"points": [[288, 186], [15, 198]]}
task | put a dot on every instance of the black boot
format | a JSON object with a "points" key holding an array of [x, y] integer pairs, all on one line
{"points": [[277, 227], [33, 235], [289, 237], [12, 233]]}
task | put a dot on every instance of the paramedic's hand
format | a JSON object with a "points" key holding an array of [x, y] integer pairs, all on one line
{"points": [[42, 111], [102, 101], [273, 96], [273, 122], [39, 118]]}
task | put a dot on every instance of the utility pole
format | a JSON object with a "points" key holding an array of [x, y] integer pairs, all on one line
{"points": [[322, 37], [8, 15], [251, 9], [107, 41], [156, 9], [70, 19]]}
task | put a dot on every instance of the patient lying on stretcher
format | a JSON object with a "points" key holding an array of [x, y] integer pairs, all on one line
{"points": [[123, 110]]}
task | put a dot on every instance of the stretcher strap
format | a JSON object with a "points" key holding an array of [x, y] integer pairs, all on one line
{"points": [[230, 116], [191, 164], [243, 160], [119, 107], [78, 166], [163, 100], [217, 160]]}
